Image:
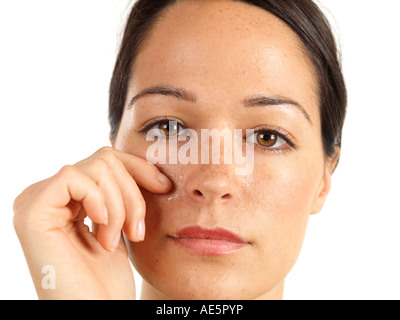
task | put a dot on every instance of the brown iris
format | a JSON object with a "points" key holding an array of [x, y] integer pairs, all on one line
{"points": [[169, 128], [266, 139]]}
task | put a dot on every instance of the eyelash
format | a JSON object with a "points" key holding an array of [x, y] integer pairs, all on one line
{"points": [[276, 131]]}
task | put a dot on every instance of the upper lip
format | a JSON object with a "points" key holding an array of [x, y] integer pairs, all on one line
{"points": [[197, 232]]}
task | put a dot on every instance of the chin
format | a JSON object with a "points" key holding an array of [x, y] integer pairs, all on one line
{"points": [[200, 287], [173, 274]]}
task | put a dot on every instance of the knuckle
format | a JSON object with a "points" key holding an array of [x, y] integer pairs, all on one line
{"points": [[108, 155], [66, 171], [22, 203], [111, 158], [100, 166], [104, 149], [24, 209]]}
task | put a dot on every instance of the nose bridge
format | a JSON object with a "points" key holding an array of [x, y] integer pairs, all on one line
{"points": [[217, 146]]}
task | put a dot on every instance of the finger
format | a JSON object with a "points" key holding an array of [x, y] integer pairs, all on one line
{"points": [[145, 174], [102, 174], [68, 185], [134, 204]]}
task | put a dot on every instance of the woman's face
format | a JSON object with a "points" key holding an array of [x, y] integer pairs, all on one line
{"points": [[240, 68]]}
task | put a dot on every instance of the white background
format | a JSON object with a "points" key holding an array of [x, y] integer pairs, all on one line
{"points": [[56, 60]]}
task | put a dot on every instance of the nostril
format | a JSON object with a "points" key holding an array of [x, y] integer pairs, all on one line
{"points": [[197, 193], [226, 196]]}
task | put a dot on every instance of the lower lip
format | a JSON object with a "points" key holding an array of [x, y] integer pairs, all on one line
{"points": [[210, 247]]}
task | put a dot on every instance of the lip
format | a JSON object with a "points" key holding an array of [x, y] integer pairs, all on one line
{"points": [[213, 242]]}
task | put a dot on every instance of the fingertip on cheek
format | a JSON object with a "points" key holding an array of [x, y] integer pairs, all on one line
{"points": [[163, 179]]}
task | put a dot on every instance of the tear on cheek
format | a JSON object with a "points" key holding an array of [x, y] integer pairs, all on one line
{"points": [[178, 194]]}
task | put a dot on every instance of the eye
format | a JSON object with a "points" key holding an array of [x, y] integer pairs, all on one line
{"points": [[162, 127], [168, 128], [269, 139]]}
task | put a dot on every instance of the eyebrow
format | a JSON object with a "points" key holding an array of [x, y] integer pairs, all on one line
{"points": [[179, 93], [262, 100], [251, 101]]}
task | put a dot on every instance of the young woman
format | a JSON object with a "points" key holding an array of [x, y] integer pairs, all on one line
{"points": [[197, 230]]}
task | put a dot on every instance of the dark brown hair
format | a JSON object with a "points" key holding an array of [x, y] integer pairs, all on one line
{"points": [[303, 16]]}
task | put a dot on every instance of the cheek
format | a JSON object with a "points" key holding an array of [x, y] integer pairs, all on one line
{"points": [[280, 205], [286, 188]]}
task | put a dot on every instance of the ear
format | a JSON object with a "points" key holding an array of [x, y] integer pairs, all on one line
{"points": [[325, 184]]}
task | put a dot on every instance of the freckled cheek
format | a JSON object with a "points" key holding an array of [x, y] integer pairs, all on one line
{"points": [[280, 205], [281, 185], [170, 207]]}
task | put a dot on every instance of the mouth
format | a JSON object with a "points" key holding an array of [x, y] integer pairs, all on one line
{"points": [[213, 242]]}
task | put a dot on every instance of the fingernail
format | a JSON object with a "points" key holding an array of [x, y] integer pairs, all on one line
{"points": [[163, 179], [116, 241], [140, 230]]}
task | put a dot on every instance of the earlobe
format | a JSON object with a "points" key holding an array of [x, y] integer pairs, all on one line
{"points": [[325, 185], [322, 193]]}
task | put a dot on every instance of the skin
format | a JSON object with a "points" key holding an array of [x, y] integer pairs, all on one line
{"points": [[207, 54], [195, 46]]}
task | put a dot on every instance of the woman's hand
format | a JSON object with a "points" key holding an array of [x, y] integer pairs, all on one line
{"points": [[49, 221]]}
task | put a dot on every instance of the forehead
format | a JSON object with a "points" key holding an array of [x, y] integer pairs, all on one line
{"points": [[223, 46]]}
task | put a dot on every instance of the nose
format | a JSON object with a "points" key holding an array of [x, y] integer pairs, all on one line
{"points": [[211, 183]]}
